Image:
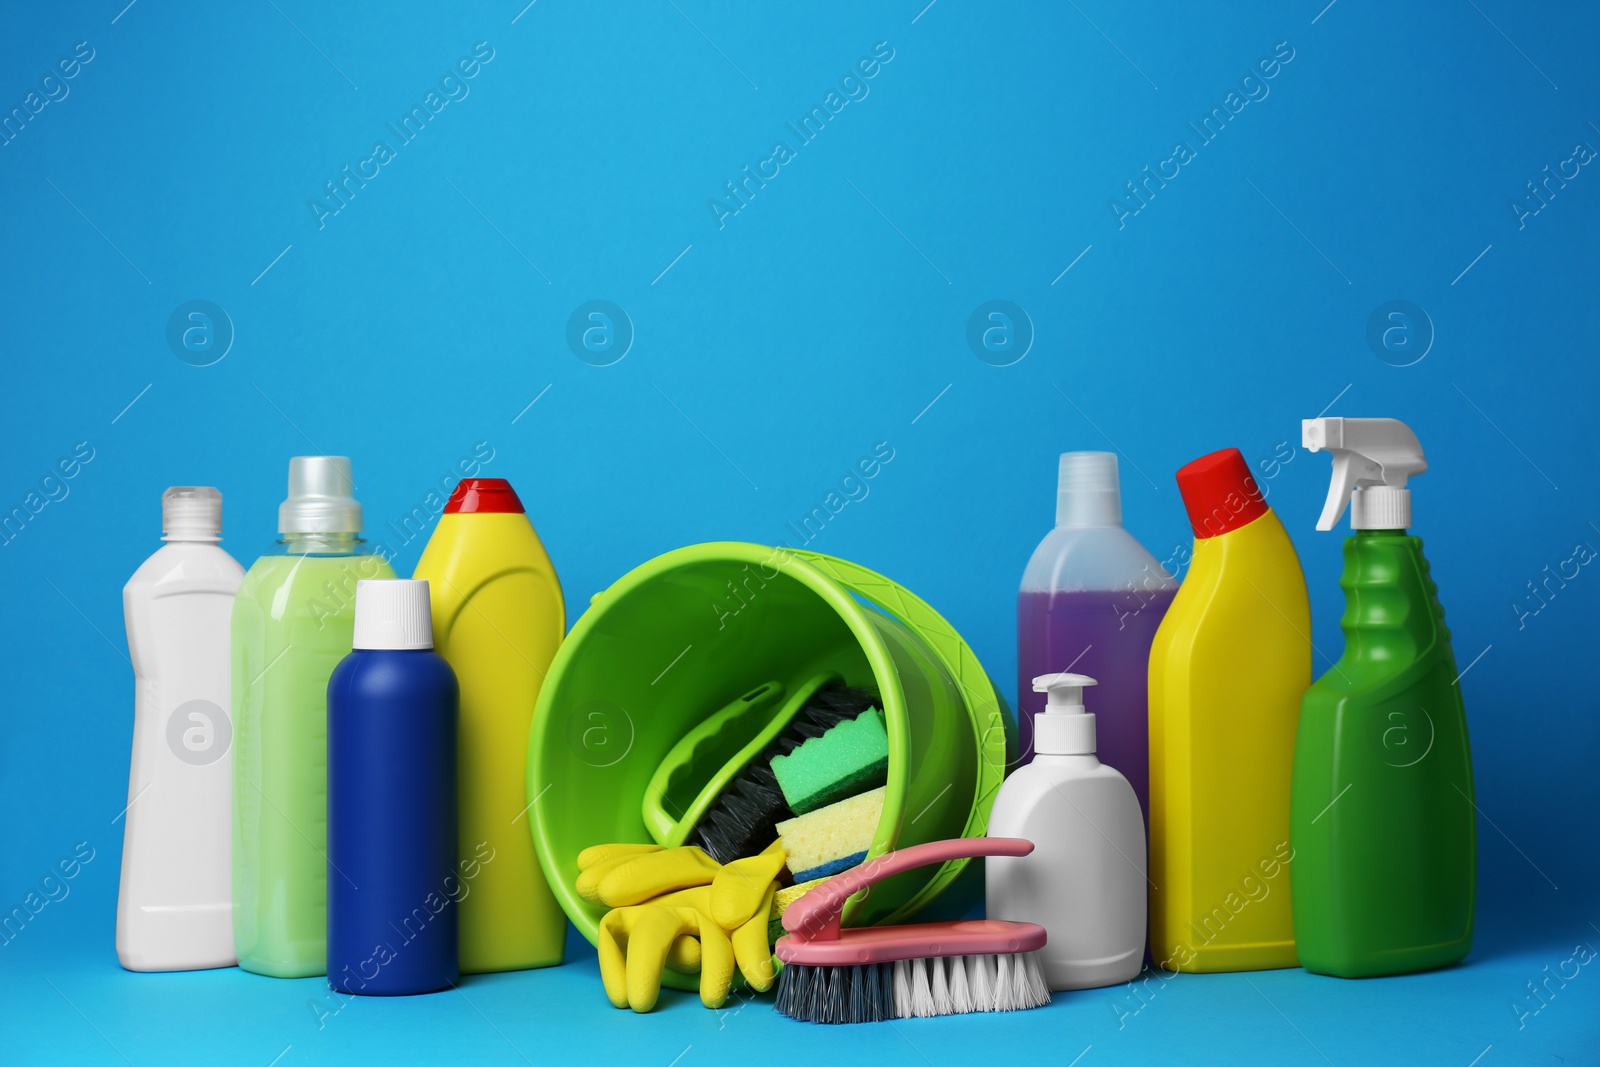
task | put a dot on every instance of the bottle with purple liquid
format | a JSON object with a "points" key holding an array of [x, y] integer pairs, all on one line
{"points": [[1091, 600]]}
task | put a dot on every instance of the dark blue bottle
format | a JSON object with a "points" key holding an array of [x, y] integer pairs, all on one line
{"points": [[392, 880]]}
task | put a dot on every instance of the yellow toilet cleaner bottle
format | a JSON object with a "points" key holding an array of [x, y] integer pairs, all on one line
{"points": [[1228, 668], [498, 617]]}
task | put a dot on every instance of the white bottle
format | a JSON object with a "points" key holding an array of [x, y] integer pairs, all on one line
{"points": [[175, 900], [1085, 879]]}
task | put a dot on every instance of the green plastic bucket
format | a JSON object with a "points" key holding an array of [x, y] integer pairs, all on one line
{"points": [[681, 636]]}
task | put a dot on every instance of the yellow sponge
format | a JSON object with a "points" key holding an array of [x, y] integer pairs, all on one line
{"points": [[789, 894], [780, 904], [824, 842]]}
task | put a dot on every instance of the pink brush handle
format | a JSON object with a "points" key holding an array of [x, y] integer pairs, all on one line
{"points": [[815, 916]]}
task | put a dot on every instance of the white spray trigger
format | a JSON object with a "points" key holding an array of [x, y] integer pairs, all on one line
{"points": [[1367, 454]]}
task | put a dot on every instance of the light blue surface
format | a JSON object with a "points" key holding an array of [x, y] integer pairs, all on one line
{"points": [[765, 358]]}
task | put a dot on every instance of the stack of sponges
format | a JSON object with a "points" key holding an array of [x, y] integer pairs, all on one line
{"points": [[835, 786]]}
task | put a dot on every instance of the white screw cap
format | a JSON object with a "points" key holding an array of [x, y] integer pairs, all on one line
{"points": [[393, 613]]}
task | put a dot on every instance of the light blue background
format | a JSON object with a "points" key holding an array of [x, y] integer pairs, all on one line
{"points": [[770, 355]]}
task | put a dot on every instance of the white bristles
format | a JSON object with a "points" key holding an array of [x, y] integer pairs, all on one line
{"points": [[921, 994], [981, 971], [924, 988], [1038, 990], [1003, 983], [960, 989], [942, 1004]]}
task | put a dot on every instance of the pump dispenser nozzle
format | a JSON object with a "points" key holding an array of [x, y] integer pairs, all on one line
{"points": [[1063, 728], [1372, 458]]}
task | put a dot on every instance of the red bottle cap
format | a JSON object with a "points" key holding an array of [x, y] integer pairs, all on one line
{"points": [[483, 494], [1220, 493]]}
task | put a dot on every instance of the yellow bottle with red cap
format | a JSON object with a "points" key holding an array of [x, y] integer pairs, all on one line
{"points": [[1228, 668], [498, 618]]}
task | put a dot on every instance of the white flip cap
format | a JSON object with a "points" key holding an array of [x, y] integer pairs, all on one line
{"points": [[393, 613], [1087, 491], [191, 513], [1063, 728], [321, 497]]}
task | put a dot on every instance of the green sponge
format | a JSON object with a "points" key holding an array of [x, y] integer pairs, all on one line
{"points": [[849, 758], [824, 842]]}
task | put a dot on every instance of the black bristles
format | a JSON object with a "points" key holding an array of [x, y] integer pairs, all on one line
{"points": [[840, 702], [833, 995], [871, 993], [744, 819], [859, 994], [883, 992], [794, 990], [928, 987]]}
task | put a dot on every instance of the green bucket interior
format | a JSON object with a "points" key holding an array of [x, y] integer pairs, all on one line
{"points": [[681, 636]]}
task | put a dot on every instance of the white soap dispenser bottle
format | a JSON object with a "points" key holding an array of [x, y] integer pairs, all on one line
{"points": [[1085, 880]]}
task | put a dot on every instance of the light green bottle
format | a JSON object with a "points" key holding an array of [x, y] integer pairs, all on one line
{"points": [[292, 620]]}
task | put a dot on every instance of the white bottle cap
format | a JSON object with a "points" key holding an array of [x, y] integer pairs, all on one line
{"points": [[1063, 728], [191, 513], [1380, 507], [1087, 492], [321, 499], [393, 613]]}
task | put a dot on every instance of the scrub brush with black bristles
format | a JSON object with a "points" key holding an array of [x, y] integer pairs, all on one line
{"points": [[872, 974], [744, 819], [747, 813]]}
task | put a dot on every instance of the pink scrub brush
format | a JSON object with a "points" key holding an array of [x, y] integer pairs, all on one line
{"points": [[901, 972]]}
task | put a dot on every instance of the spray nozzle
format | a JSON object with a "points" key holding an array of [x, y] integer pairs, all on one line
{"points": [[1372, 458]]}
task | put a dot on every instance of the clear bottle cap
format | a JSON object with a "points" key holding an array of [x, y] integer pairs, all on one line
{"points": [[321, 497], [191, 513], [1087, 491]]}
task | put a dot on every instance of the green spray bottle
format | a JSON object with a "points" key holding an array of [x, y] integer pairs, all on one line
{"points": [[1382, 821]]}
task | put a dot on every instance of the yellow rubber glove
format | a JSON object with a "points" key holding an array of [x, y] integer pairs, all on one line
{"points": [[634, 945], [734, 900], [622, 875], [751, 949], [742, 889], [599, 860]]}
